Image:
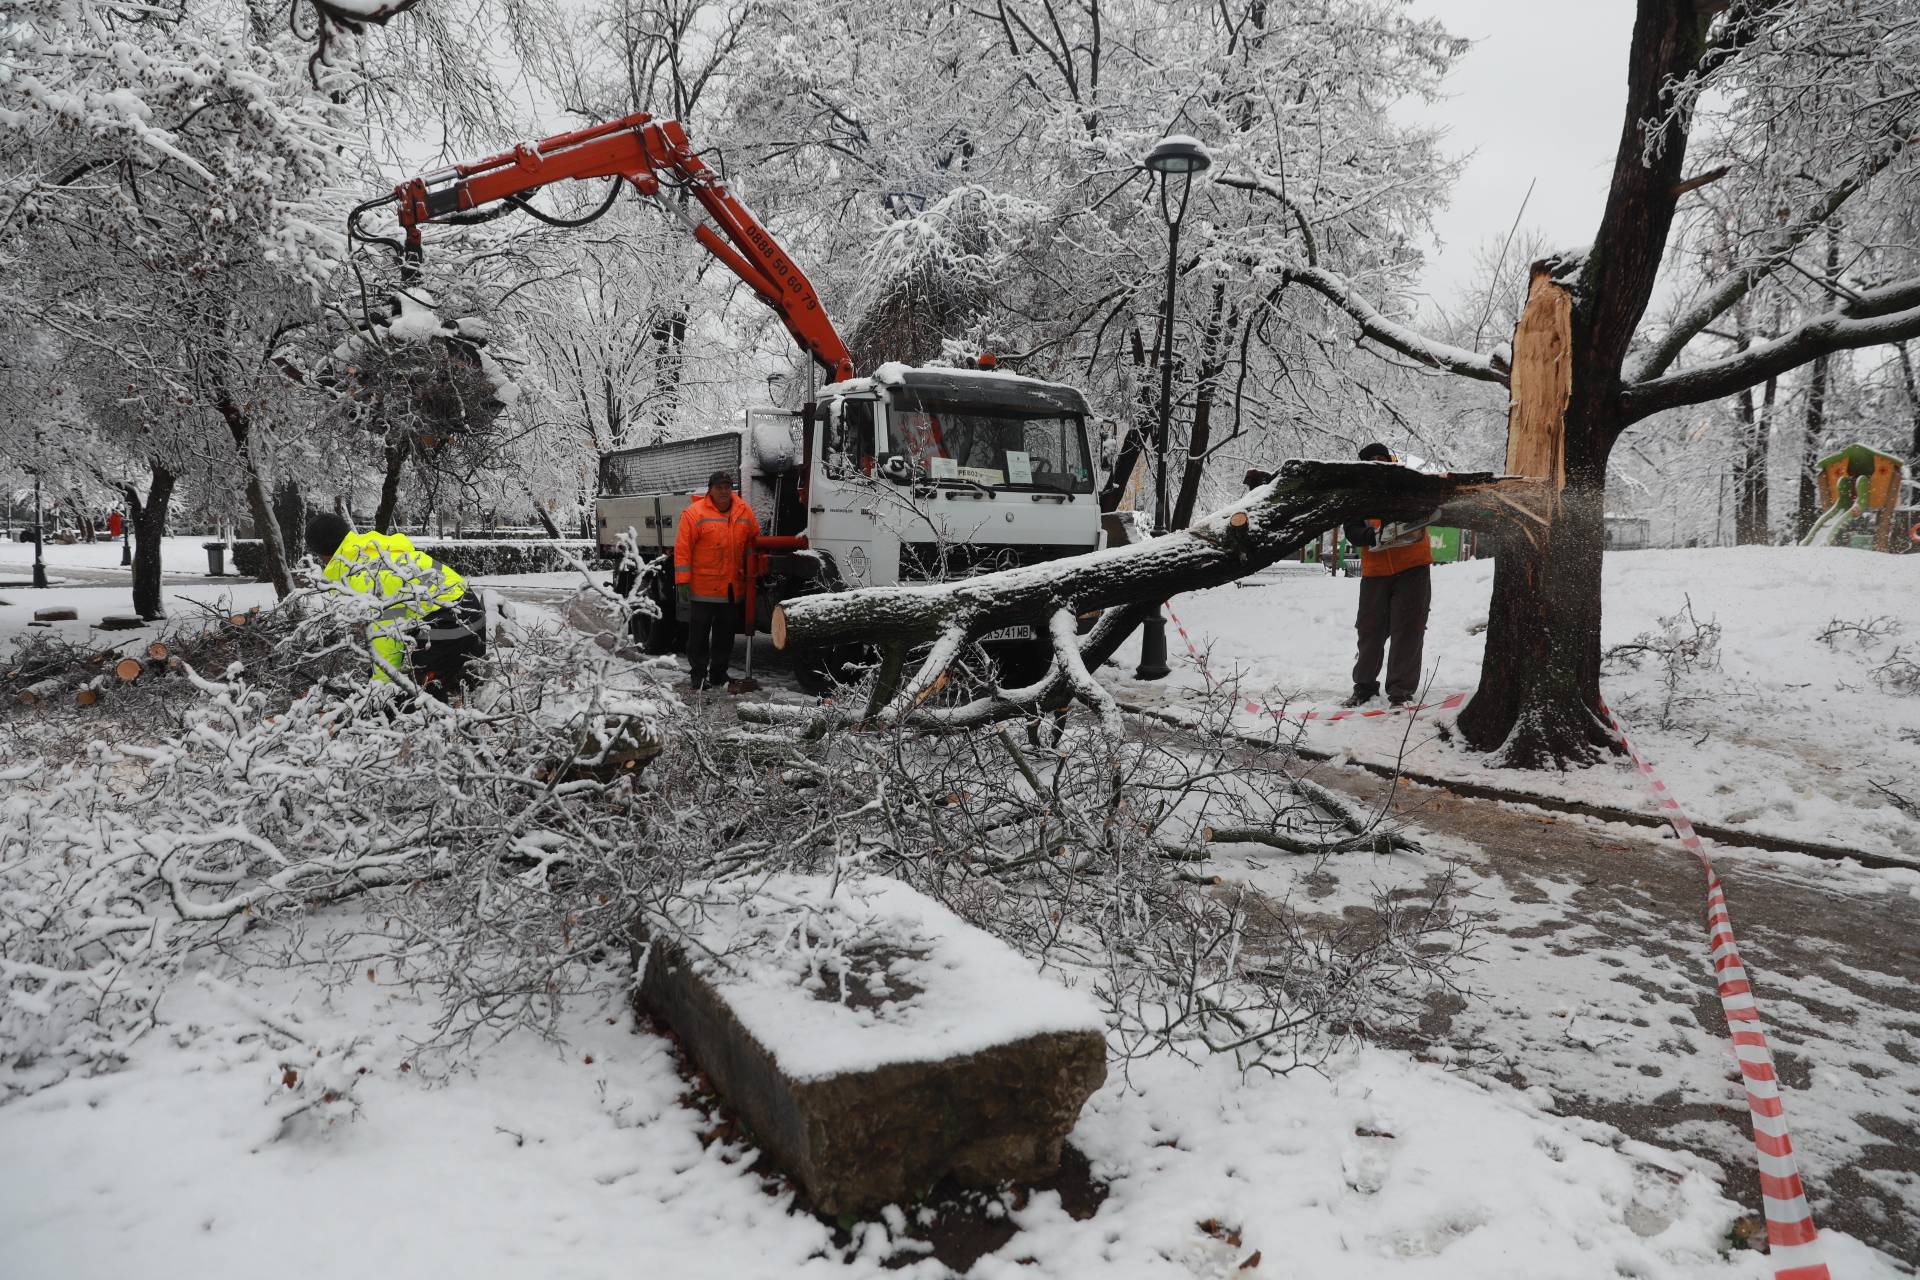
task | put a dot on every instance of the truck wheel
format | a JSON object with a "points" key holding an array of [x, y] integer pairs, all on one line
{"points": [[819, 672], [1022, 664], [625, 577], [657, 635]]}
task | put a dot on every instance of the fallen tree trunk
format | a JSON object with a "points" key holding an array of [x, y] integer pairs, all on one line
{"points": [[1265, 525]]}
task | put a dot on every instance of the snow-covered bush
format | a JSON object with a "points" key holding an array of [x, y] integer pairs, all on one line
{"points": [[1684, 646], [497, 843]]}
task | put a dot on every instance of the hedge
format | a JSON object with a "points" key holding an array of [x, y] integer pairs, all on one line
{"points": [[467, 557]]}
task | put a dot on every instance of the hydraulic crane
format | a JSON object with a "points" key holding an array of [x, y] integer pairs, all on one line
{"points": [[889, 472], [642, 151]]}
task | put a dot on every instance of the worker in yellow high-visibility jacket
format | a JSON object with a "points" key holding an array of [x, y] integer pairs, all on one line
{"points": [[446, 617]]}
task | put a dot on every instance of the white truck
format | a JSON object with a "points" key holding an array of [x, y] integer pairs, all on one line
{"points": [[910, 475]]}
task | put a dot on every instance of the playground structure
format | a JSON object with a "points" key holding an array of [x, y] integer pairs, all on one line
{"points": [[1859, 484]]}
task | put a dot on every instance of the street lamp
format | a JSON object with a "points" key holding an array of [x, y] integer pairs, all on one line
{"points": [[39, 533], [1182, 156]]}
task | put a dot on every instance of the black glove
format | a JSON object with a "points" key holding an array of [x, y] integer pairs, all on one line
{"points": [[1359, 533]]}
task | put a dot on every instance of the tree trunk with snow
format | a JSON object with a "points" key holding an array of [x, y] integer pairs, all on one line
{"points": [[1200, 434], [290, 517], [1267, 524], [1913, 399], [149, 520], [1752, 521], [240, 426], [1807, 493], [1539, 696], [397, 453]]}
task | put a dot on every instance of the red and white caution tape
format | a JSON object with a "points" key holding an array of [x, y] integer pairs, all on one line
{"points": [[1792, 1241], [1328, 713], [1447, 703]]}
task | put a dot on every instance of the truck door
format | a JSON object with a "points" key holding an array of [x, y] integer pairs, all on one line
{"points": [[848, 512]]}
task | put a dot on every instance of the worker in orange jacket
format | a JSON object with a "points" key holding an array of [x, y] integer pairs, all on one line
{"points": [[709, 569], [1396, 590]]}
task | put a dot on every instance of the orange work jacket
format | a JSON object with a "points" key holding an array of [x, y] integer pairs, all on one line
{"points": [[1408, 552], [710, 551]]}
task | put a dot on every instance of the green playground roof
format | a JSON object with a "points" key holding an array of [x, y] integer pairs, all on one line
{"points": [[1860, 459]]}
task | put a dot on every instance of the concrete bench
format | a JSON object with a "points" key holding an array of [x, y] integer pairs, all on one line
{"points": [[871, 1040]]}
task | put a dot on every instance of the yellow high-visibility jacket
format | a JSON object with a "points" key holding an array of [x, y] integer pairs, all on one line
{"points": [[410, 602]]}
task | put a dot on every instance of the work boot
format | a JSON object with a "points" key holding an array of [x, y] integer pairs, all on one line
{"points": [[695, 684], [1399, 700], [1362, 695]]}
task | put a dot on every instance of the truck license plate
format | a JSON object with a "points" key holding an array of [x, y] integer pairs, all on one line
{"points": [[1010, 633]]}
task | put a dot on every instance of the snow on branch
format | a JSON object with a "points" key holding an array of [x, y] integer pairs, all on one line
{"points": [[1393, 335], [1742, 280], [1888, 314], [272, 800], [1267, 187]]}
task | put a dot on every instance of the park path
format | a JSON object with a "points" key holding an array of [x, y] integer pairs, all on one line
{"points": [[1591, 981]]}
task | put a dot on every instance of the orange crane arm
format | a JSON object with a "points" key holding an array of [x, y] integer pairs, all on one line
{"points": [[637, 148]]}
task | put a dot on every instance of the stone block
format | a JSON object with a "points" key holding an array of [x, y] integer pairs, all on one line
{"points": [[871, 1040], [56, 615]]}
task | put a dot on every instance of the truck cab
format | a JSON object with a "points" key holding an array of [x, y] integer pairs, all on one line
{"points": [[910, 475]]}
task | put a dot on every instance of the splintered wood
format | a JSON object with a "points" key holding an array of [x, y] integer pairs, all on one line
{"points": [[1542, 383]]}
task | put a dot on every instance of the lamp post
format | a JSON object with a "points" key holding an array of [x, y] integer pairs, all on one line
{"points": [[39, 532], [1182, 156]]}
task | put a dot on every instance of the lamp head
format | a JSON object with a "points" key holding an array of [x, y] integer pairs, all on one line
{"points": [[1177, 154]]}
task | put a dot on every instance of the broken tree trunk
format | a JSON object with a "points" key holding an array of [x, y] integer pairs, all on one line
{"points": [[1535, 670], [1129, 582]]}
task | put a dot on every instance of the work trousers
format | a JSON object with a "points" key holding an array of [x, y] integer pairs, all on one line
{"points": [[1393, 606], [447, 639], [710, 641]]}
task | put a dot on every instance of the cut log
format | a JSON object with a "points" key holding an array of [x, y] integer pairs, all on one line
{"points": [[41, 691], [1265, 525], [872, 1041], [56, 615]]}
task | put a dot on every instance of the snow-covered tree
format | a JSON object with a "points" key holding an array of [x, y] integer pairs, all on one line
{"points": [[170, 179]]}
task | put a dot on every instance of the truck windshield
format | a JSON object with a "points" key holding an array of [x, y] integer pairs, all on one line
{"points": [[998, 446]]}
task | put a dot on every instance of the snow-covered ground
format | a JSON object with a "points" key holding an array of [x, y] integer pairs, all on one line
{"points": [[177, 555], [582, 1161], [82, 577], [216, 1151], [1786, 736]]}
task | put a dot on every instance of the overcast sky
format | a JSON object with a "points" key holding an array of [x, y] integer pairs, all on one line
{"points": [[1539, 96]]}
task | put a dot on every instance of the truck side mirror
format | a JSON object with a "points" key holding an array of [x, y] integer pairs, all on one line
{"points": [[896, 468]]}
